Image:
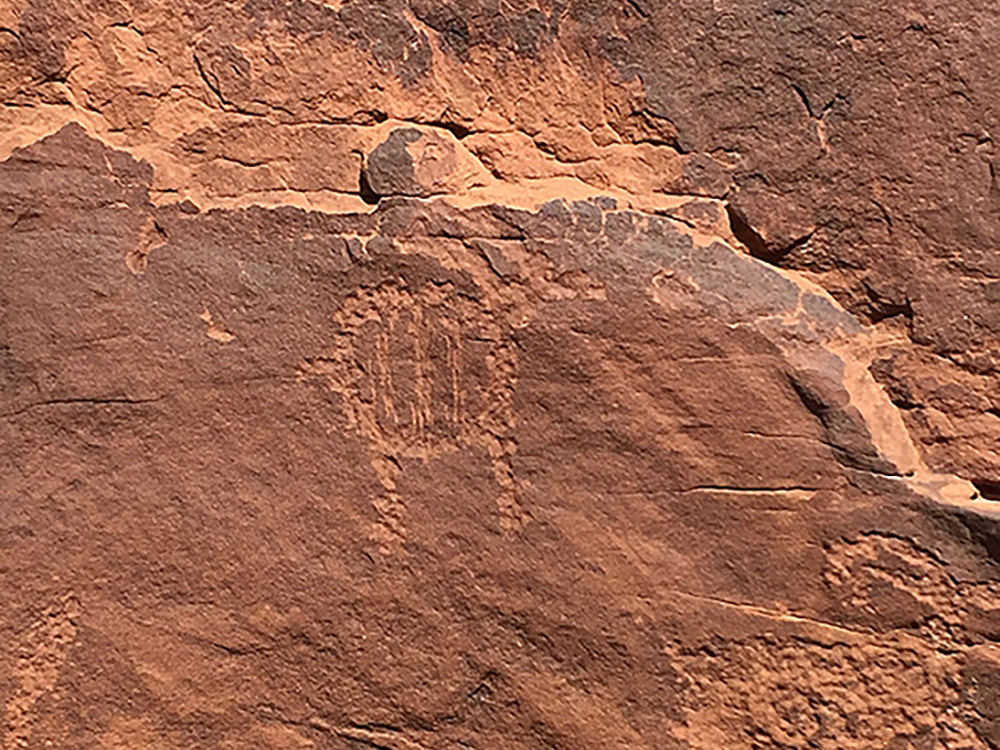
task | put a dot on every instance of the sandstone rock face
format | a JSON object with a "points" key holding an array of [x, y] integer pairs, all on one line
{"points": [[422, 375]]}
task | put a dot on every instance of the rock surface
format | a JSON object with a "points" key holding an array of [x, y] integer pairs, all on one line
{"points": [[422, 375]]}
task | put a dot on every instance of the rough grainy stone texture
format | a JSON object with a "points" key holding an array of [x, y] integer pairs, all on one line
{"points": [[430, 374]]}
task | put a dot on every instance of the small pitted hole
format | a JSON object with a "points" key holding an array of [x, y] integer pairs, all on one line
{"points": [[368, 195], [989, 489]]}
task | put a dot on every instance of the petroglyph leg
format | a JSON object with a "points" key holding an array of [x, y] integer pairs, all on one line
{"points": [[390, 530]]}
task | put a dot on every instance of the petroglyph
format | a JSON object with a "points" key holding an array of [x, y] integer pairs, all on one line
{"points": [[894, 582], [422, 373], [792, 694], [41, 653], [893, 682]]}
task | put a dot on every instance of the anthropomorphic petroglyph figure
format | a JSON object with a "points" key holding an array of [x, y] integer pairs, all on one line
{"points": [[422, 373]]}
